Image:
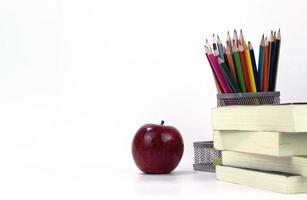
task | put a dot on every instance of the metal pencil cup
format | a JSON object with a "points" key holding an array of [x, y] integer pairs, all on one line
{"points": [[258, 98], [205, 156]]}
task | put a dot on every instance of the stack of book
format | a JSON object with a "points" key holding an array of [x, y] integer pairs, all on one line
{"points": [[263, 146]]}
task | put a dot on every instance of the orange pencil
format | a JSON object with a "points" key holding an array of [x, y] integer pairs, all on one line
{"points": [[244, 69], [265, 82], [231, 63]]}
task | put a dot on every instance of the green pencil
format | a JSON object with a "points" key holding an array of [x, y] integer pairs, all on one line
{"points": [[231, 81], [236, 56]]}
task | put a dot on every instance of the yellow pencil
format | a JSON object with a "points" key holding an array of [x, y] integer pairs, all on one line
{"points": [[250, 68], [249, 65]]}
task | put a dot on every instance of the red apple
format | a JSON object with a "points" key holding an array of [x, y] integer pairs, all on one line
{"points": [[157, 149]]}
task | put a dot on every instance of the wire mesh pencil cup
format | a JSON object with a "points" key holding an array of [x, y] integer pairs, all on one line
{"points": [[205, 156], [259, 98]]}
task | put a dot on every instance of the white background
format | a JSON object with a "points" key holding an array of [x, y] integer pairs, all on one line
{"points": [[78, 78]]}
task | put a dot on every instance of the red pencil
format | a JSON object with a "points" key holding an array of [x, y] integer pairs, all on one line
{"points": [[265, 82]]}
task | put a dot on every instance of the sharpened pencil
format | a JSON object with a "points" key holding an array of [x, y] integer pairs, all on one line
{"points": [[218, 72], [231, 82], [220, 47], [260, 62], [276, 58], [214, 42], [241, 38], [231, 64], [265, 83], [235, 38], [217, 83], [250, 68], [228, 40], [271, 60], [208, 45], [236, 57], [255, 73], [244, 69]]}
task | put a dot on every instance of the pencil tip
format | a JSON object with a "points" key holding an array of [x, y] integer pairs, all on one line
{"points": [[250, 45], [262, 40], [278, 35], [220, 60]]}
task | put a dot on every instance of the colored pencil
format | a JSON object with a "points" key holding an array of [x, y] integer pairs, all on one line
{"points": [[236, 57], [220, 47], [265, 83], [217, 83], [231, 82], [228, 40], [208, 45], [271, 60], [231, 64], [260, 63], [241, 38], [255, 73], [276, 58], [226, 61], [235, 38], [214, 43], [250, 68], [218, 72], [244, 69]]}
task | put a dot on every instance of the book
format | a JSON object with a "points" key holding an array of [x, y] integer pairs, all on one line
{"points": [[273, 181], [292, 164], [261, 142], [279, 118]]}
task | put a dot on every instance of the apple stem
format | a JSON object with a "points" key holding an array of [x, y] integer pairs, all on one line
{"points": [[162, 122]]}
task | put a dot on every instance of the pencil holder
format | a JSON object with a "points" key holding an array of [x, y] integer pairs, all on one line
{"points": [[258, 98], [205, 156]]}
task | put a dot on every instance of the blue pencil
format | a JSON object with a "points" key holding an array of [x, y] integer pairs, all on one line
{"points": [[271, 60], [251, 51], [261, 61]]}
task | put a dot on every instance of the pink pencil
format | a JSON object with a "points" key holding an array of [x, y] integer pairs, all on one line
{"points": [[218, 72]]}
